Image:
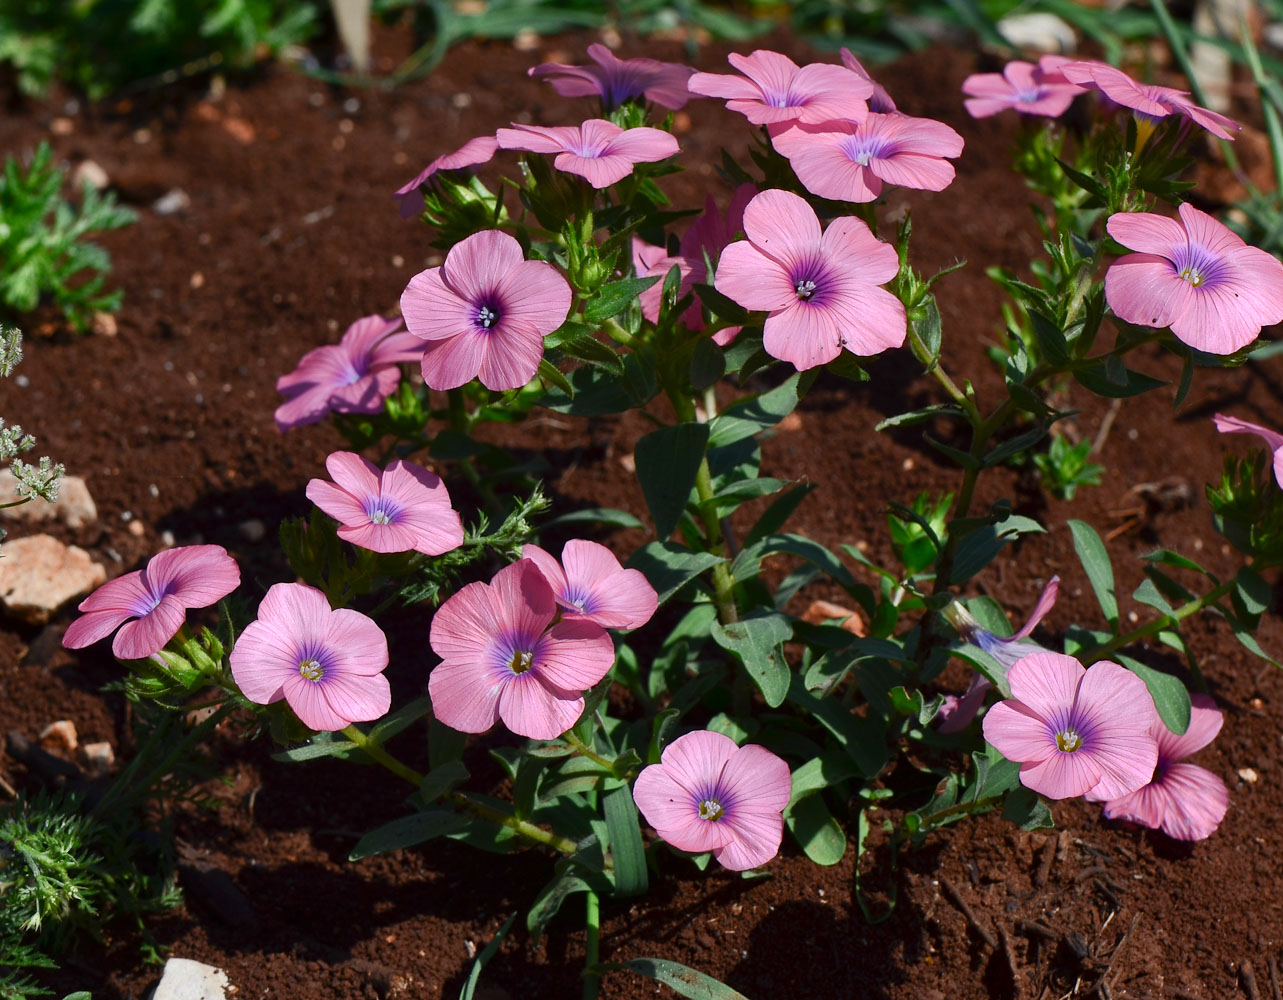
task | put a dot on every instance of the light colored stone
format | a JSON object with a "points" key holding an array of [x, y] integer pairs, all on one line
{"points": [[60, 734], [252, 530], [1040, 31], [104, 324], [172, 202], [74, 506], [99, 758], [822, 611], [39, 574], [90, 172], [185, 979]]}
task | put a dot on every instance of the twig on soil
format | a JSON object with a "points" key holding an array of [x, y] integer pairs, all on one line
{"points": [[1274, 979], [1017, 982], [1044, 863], [1035, 929], [1248, 977], [973, 922], [1106, 423], [7, 788]]}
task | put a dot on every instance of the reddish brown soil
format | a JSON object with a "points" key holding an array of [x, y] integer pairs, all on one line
{"points": [[292, 233]]}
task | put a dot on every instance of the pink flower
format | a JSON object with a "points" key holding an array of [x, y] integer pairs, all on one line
{"points": [[470, 154], [597, 150], [353, 376], [1147, 99], [158, 596], [1029, 89], [485, 311], [707, 236], [328, 665], [774, 89], [403, 508], [1233, 425], [1073, 730], [849, 162], [1195, 276], [879, 101], [501, 661], [590, 585], [707, 794], [617, 80], [956, 713], [820, 291], [1185, 801]]}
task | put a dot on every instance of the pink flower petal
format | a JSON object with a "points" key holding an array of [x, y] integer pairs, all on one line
{"points": [[1047, 683], [512, 357], [694, 760], [783, 225], [535, 293], [754, 280], [1142, 288], [457, 361], [434, 311], [574, 655], [673, 811], [869, 319], [860, 255], [307, 700], [146, 635], [476, 266], [1062, 775], [1046, 600], [756, 781], [755, 840], [1019, 733], [463, 697], [803, 334], [351, 472], [531, 709], [356, 698], [1205, 722], [364, 646]]}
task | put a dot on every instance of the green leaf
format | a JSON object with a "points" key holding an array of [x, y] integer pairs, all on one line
{"points": [[1100, 572], [974, 551], [1113, 382], [549, 374], [746, 417], [746, 489], [1169, 694], [407, 831], [668, 461], [684, 980], [441, 780], [1148, 593], [995, 774], [778, 513], [707, 365], [815, 830], [1251, 593], [597, 515], [757, 643], [625, 842], [720, 306], [863, 738], [1174, 559], [594, 352], [914, 417], [612, 299], [820, 773], [487, 953], [315, 750], [1026, 810], [668, 567], [550, 898]]}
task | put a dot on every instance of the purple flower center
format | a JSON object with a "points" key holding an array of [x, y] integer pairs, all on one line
{"points": [[313, 662], [808, 280], [1197, 265], [487, 316], [580, 599], [382, 510], [863, 148], [311, 669], [712, 803], [711, 810], [805, 289], [522, 660], [1031, 96], [1069, 740]]}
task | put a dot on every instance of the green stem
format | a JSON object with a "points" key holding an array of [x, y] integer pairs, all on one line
{"points": [[376, 753], [592, 945], [584, 750], [1162, 622]]}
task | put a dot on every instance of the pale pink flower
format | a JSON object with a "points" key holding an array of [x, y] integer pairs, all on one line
{"points": [[158, 596], [849, 162], [1075, 731], [707, 794], [401, 509], [500, 660], [353, 376], [1233, 425], [820, 291], [472, 153], [598, 150], [774, 89], [589, 584], [617, 80], [1028, 88], [706, 237], [1148, 100], [879, 101], [1195, 276], [327, 664], [1185, 801], [956, 713], [485, 311]]}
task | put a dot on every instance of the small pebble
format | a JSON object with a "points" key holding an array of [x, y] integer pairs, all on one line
{"points": [[62, 126], [137, 529], [172, 202], [252, 530], [352, 105], [1257, 704], [99, 758], [197, 280], [907, 465], [91, 173], [461, 100], [167, 539], [60, 734], [1248, 775], [104, 324], [525, 41]]}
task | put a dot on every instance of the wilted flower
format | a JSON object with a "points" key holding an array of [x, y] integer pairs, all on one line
{"points": [[820, 291], [401, 509], [707, 794], [158, 596], [598, 150], [589, 584], [485, 312], [848, 161], [774, 89], [327, 664], [1195, 276], [1149, 101], [501, 661], [1075, 731], [470, 154], [1233, 425], [353, 376], [617, 80], [1185, 801], [879, 101], [1031, 89]]}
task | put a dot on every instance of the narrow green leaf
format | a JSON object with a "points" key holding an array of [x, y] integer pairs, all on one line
{"points": [[487, 953], [815, 830], [316, 750], [1252, 592], [667, 462], [625, 842], [1100, 572], [441, 780], [597, 515], [1169, 694], [1148, 593], [668, 567], [407, 831], [684, 980], [612, 299]]}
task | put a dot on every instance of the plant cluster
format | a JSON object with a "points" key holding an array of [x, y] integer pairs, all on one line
{"points": [[678, 691], [31, 482]]}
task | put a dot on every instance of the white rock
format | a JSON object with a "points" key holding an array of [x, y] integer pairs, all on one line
{"points": [[252, 530], [61, 733], [90, 172], [1039, 31], [39, 574], [99, 758], [172, 202], [74, 506], [184, 979]]}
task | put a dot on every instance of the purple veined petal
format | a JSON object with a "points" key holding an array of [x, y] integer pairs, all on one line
{"points": [[1116, 85], [771, 71], [337, 502], [782, 225], [724, 85], [512, 356], [570, 81], [143, 636], [754, 280], [600, 171], [535, 711], [985, 107], [643, 145], [456, 361], [646, 255], [1126, 759], [1196, 802], [914, 170], [474, 267], [307, 700], [126, 595], [1219, 125], [880, 101], [92, 626], [307, 407], [398, 348], [326, 366], [1046, 601], [825, 92], [1259, 284], [1232, 425], [524, 597], [356, 698], [433, 311], [674, 812], [1147, 232], [1205, 722], [1214, 323], [957, 713], [366, 394], [694, 760], [1144, 289], [538, 138], [380, 537], [1047, 683], [860, 255], [869, 319], [412, 485], [756, 781], [548, 566], [361, 338], [1207, 232], [755, 840], [353, 473], [261, 659], [464, 695], [615, 597], [359, 644], [1019, 733], [198, 575], [300, 609], [802, 334], [1146, 806], [825, 170], [467, 624], [595, 134], [574, 655], [1060, 776], [536, 293]]}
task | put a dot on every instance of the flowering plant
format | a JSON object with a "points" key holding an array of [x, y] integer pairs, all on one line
{"points": [[684, 690]]}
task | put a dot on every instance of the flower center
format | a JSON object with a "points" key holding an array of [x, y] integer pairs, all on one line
{"points": [[380, 516], [487, 317], [805, 289], [711, 810], [521, 661], [311, 670], [1030, 96], [1068, 740], [1193, 275]]}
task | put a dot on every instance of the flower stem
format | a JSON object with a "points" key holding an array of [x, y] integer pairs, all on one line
{"points": [[584, 750], [592, 945], [1161, 623]]}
